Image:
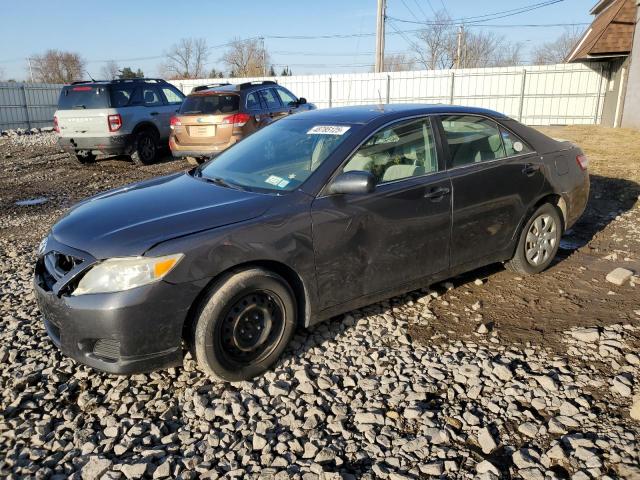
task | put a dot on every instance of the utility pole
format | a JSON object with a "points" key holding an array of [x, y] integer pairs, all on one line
{"points": [[264, 58], [30, 69], [382, 7], [458, 62]]}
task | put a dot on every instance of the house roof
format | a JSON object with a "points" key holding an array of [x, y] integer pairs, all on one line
{"points": [[610, 34]]}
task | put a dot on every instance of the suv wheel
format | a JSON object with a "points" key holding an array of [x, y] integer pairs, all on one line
{"points": [[145, 148], [539, 242], [244, 325], [84, 158]]}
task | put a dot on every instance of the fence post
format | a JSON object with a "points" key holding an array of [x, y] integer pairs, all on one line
{"points": [[522, 87], [595, 115], [26, 105], [330, 92], [388, 88], [453, 82]]}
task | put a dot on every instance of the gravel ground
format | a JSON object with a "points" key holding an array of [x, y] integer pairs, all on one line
{"points": [[486, 376]]}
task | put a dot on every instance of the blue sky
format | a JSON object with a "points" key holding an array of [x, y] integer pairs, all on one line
{"points": [[123, 30]]}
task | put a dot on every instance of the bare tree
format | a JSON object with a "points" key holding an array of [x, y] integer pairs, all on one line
{"points": [[246, 58], [56, 66], [509, 55], [557, 50], [398, 62], [110, 71], [435, 45], [186, 59], [480, 49]]}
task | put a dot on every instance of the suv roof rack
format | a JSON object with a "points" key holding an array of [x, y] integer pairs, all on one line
{"points": [[123, 80], [199, 88], [242, 86]]}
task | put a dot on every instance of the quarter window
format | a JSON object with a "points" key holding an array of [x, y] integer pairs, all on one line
{"points": [[472, 139], [253, 102], [269, 98], [512, 144], [403, 150], [173, 98]]}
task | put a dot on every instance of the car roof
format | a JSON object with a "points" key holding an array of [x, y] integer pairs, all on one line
{"points": [[118, 81], [233, 87], [367, 113]]}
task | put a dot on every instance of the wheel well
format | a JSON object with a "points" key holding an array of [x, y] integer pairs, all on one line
{"points": [[558, 202], [287, 273], [146, 126]]}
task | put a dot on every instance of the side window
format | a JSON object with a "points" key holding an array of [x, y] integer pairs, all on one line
{"points": [[253, 102], [269, 98], [150, 97], [513, 145], [403, 150], [121, 96], [172, 96], [286, 97], [472, 139]]}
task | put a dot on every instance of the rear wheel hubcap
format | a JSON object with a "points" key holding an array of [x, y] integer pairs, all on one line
{"points": [[541, 240]]}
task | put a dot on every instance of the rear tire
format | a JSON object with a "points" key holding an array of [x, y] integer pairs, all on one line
{"points": [[244, 324], [84, 158], [145, 148], [538, 243]]}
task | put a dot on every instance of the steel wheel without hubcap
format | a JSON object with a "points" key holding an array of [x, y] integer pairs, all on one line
{"points": [[147, 148], [251, 328], [541, 240]]}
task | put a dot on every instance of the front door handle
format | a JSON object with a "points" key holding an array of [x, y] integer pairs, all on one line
{"points": [[437, 193], [530, 169]]}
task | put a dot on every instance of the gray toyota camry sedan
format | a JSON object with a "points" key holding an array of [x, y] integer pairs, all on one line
{"points": [[318, 214]]}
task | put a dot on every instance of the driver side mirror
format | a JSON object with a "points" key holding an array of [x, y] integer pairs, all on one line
{"points": [[302, 101], [353, 182]]}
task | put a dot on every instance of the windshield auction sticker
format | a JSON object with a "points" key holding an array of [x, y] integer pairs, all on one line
{"points": [[328, 130], [277, 181]]}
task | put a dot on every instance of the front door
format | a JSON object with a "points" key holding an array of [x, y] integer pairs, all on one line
{"points": [[495, 178], [371, 243]]}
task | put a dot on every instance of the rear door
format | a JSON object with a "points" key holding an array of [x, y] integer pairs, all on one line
{"points": [[272, 103], [495, 178], [154, 109], [172, 98], [83, 110], [207, 118]]}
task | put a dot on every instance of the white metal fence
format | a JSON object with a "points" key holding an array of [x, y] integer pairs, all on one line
{"points": [[535, 95]]}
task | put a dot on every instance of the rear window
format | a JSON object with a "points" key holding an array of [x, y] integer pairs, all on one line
{"points": [[83, 97], [210, 104]]}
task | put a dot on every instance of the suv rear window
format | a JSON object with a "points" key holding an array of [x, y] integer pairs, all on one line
{"points": [[83, 97], [210, 104]]}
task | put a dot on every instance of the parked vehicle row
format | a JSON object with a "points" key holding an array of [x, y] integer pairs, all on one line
{"points": [[138, 117], [318, 214]]}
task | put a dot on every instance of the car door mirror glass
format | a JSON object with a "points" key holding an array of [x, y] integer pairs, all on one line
{"points": [[302, 101], [353, 182]]}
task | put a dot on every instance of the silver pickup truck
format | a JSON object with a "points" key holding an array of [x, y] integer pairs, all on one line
{"points": [[116, 117]]}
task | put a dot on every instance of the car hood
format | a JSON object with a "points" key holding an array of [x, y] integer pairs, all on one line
{"points": [[130, 220]]}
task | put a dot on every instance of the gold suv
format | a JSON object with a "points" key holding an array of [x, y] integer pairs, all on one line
{"points": [[214, 117]]}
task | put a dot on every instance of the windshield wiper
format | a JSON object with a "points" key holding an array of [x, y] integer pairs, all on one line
{"points": [[80, 107], [190, 112]]}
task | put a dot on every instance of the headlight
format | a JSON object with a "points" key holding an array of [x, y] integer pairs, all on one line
{"points": [[118, 274], [43, 246]]}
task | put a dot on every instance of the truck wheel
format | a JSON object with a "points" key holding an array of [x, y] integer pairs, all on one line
{"points": [[539, 242], [84, 158], [145, 148], [244, 324]]}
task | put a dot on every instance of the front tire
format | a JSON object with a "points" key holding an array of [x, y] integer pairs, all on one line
{"points": [[145, 148], [538, 243], [244, 325]]}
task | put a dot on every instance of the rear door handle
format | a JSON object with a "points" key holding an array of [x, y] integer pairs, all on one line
{"points": [[530, 169], [154, 113], [437, 193]]}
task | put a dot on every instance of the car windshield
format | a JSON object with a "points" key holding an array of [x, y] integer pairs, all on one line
{"points": [[279, 157], [210, 104]]}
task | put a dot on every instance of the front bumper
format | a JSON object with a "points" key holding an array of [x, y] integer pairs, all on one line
{"points": [[134, 331], [113, 144]]}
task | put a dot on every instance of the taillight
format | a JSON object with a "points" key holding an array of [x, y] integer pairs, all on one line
{"points": [[115, 122], [583, 161], [175, 121], [56, 127], [237, 119]]}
